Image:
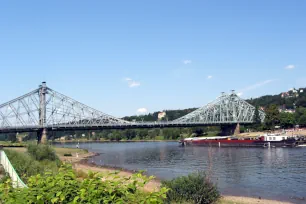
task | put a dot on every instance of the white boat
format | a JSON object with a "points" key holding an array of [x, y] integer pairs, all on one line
{"points": [[302, 145]]}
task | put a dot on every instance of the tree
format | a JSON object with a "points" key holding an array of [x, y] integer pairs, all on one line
{"points": [[302, 120], [287, 120], [256, 118], [152, 133], [272, 116], [300, 116]]}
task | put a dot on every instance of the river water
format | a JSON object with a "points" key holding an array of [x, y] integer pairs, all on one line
{"points": [[275, 173]]}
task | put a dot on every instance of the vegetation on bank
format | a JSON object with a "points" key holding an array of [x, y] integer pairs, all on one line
{"points": [[36, 160], [194, 188], [65, 187], [274, 119]]}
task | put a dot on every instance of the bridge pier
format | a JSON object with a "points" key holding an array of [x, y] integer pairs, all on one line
{"points": [[228, 130], [42, 136]]}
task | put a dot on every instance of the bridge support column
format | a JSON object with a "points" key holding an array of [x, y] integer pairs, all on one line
{"points": [[42, 136], [42, 133], [228, 130], [237, 129]]}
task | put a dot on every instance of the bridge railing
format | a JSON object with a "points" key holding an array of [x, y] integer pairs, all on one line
{"points": [[8, 167]]}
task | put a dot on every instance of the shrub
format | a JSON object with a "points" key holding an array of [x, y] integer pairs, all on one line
{"points": [[64, 187], [24, 164], [80, 174], [42, 152], [194, 188], [4, 178], [67, 155]]}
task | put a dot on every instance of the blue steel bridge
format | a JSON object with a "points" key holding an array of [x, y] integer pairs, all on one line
{"points": [[44, 109]]}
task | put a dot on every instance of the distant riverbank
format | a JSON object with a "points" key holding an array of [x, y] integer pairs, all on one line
{"points": [[101, 141]]}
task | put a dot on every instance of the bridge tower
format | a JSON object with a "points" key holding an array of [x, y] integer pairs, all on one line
{"points": [[42, 133]]}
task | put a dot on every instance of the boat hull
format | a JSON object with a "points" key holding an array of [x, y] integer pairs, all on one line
{"points": [[241, 143]]}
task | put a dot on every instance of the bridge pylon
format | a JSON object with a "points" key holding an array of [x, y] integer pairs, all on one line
{"points": [[42, 133]]}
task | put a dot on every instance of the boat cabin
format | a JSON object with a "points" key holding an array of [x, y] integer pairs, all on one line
{"points": [[275, 138]]}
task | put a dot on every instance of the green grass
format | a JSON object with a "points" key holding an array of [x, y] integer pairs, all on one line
{"points": [[159, 138], [211, 134], [12, 144], [60, 151]]}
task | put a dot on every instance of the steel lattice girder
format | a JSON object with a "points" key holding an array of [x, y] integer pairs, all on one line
{"points": [[45, 107], [226, 108], [60, 109]]}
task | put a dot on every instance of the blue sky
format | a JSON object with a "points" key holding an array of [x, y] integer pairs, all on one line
{"points": [[120, 56]]}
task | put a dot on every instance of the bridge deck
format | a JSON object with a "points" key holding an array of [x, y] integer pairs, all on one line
{"points": [[114, 126]]}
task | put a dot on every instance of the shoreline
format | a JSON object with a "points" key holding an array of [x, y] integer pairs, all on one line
{"points": [[106, 141], [84, 164]]}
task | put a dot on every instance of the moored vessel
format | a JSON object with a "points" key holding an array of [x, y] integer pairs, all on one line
{"points": [[266, 140]]}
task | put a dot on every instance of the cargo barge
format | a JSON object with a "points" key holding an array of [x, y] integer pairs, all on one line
{"points": [[267, 140]]}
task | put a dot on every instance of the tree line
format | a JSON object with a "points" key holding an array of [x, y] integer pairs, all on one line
{"points": [[274, 118]]}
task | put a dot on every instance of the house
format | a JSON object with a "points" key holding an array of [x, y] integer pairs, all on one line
{"points": [[161, 115]]}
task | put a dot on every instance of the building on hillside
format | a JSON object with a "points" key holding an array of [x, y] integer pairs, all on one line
{"points": [[289, 111], [282, 109], [161, 115], [285, 95]]}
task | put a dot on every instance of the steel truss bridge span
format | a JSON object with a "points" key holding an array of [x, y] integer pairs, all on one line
{"points": [[44, 109], [114, 126]]}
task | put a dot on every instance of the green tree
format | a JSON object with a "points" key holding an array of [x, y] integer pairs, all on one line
{"points": [[287, 120], [257, 119], [272, 116], [153, 133], [299, 115], [302, 120]]}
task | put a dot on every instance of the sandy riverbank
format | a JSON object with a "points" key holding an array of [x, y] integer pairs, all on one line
{"points": [[248, 200]]}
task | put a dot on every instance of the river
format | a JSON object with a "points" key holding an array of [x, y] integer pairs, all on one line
{"points": [[275, 173]]}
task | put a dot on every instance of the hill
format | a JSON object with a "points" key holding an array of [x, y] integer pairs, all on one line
{"points": [[286, 100]]}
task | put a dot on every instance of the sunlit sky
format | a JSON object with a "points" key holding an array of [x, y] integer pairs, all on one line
{"points": [[124, 56]]}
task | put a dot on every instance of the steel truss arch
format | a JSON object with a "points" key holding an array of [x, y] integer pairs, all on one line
{"points": [[228, 108]]}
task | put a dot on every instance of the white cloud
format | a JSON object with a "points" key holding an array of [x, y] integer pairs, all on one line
{"points": [[131, 83], [187, 61], [255, 86], [290, 66], [209, 77], [142, 111]]}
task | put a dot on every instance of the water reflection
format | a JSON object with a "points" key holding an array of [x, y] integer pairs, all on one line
{"points": [[269, 173]]}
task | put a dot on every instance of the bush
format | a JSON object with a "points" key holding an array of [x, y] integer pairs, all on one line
{"points": [[194, 188], [42, 152], [28, 164], [64, 187], [67, 155], [24, 164]]}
